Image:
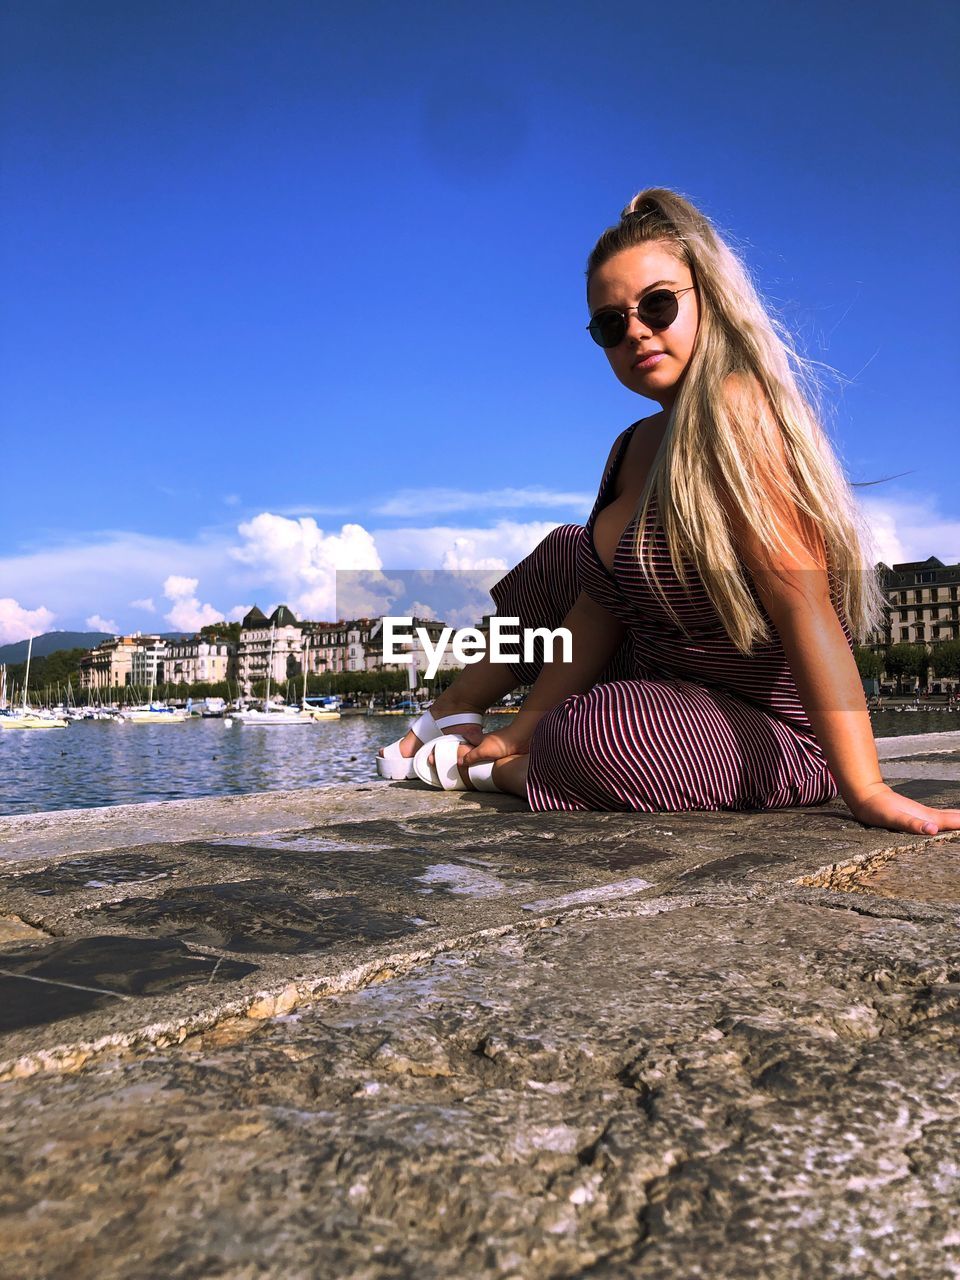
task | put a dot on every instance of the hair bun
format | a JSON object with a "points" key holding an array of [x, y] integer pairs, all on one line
{"points": [[641, 206]]}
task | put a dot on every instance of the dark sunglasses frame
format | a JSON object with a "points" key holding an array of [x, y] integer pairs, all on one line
{"points": [[652, 310]]}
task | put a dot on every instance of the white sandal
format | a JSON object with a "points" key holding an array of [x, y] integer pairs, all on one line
{"points": [[398, 768], [445, 771]]}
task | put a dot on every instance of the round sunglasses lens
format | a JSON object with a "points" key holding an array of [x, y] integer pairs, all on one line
{"points": [[659, 309], [607, 329]]}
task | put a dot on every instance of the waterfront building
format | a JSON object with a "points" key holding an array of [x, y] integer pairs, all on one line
{"points": [[282, 634], [147, 662], [335, 647], [111, 664], [373, 649], [922, 606], [195, 661]]}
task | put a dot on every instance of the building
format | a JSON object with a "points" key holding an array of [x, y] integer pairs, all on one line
{"points": [[922, 607], [196, 661], [276, 643], [373, 648], [335, 647], [111, 664], [923, 602], [326, 649], [147, 663]]}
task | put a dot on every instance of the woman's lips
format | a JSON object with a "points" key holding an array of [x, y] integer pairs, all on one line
{"points": [[648, 361]]}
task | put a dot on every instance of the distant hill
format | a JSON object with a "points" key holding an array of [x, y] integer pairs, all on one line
{"points": [[50, 642], [53, 641]]}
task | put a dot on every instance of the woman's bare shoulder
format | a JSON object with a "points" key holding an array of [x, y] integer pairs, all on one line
{"points": [[614, 449], [622, 436]]}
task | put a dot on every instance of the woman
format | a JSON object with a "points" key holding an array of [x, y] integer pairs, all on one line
{"points": [[714, 590]]}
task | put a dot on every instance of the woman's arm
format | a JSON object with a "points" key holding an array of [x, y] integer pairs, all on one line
{"points": [[797, 598], [792, 584]]}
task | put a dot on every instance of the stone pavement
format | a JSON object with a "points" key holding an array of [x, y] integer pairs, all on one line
{"points": [[377, 1031]]}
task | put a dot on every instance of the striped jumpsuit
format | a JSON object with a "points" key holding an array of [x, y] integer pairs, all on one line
{"points": [[679, 719]]}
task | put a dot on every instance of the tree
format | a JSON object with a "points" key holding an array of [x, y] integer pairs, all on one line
{"points": [[869, 664], [229, 631], [906, 660], [56, 668], [945, 659]]}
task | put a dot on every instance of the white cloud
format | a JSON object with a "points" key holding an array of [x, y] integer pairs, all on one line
{"points": [[112, 569], [420, 610], [909, 526], [18, 623], [177, 588], [188, 614], [96, 623], [274, 557], [238, 612], [437, 501], [299, 558], [444, 547]]}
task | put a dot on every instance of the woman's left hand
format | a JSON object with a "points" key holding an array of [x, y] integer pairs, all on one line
{"points": [[881, 806]]}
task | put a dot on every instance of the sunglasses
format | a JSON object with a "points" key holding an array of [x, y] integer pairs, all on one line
{"points": [[657, 310]]}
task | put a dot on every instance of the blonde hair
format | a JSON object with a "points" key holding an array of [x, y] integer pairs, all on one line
{"points": [[718, 448]]}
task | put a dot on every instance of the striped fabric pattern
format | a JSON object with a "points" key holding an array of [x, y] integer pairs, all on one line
{"points": [[680, 719]]}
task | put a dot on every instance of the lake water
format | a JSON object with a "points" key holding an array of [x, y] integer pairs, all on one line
{"points": [[99, 763]]}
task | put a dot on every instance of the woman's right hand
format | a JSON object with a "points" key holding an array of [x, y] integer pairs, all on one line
{"points": [[494, 746]]}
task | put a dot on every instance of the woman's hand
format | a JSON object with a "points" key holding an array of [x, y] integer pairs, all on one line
{"points": [[881, 806], [494, 746]]}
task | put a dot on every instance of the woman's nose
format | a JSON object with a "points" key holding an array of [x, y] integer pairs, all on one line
{"points": [[636, 328]]}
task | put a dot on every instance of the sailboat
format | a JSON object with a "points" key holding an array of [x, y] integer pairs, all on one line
{"points": [[271, 716], [150, 712], [323, 707], [25, 717]]}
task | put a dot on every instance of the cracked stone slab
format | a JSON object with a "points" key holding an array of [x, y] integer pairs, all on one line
{"points": [[930, 874], [254, 916], [388, 883], [44, 984], [755, 1087]]}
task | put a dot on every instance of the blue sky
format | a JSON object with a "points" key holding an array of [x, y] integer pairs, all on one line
{"points": [[286, 288]]}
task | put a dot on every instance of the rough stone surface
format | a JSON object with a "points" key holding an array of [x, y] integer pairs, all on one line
{"points": [[387, 1033], [603, 1096]]}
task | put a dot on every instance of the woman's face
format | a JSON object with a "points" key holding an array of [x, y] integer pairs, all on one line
{"points": [[651, 362]]}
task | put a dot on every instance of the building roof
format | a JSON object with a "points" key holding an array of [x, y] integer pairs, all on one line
{"points": [[931, 562], [283, 617], [254, 618]]}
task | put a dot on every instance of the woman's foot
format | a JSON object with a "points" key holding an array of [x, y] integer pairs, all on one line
{"points": [[507, 774], [441, 708]]}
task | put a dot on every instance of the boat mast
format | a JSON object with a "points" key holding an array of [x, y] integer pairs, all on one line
{"points": [[266, 700], [306, 648], [26, 678]]}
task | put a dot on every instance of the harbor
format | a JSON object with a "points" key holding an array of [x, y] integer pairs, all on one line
{"points": [[100, 762]]}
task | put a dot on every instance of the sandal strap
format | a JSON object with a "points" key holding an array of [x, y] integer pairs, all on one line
{"points": [[463, 717], [445, 762], [481, 775]]}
